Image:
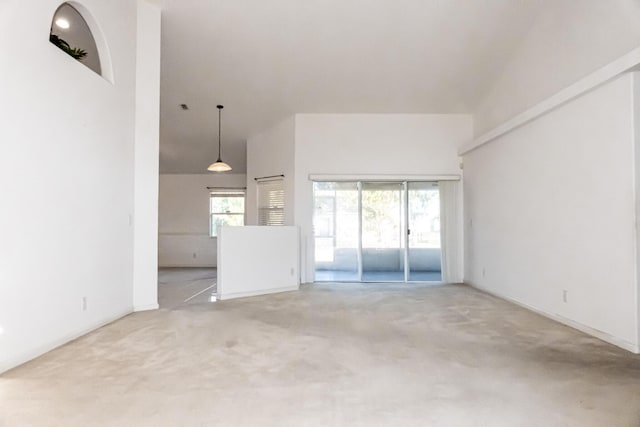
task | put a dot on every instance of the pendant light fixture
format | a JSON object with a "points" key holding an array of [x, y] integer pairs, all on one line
{"points": [[219, 165]]}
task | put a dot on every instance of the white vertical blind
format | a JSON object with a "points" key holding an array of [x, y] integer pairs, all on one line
{"points": [[451, 232], [271, 202]]}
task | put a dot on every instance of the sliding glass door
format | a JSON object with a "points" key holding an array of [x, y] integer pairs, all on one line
{"points": [[424, 253], [383, 233], [377, 231], [335, 221]]}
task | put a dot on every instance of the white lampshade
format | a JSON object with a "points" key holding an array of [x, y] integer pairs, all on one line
{"points": [[219, 166]]}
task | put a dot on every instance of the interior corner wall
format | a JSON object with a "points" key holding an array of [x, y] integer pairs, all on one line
{"points": [[183, 227], [550, 215], [569, 40], [369, 144], [146, 157], [66, 166], [271, 153]]}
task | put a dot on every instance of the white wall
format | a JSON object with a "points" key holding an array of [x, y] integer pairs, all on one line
{"points": [[66, 166], [249, 265], [183, 239], [271, 153], [365, 144], [636, 142], [549, 207], [146, 157], [569, 40]]}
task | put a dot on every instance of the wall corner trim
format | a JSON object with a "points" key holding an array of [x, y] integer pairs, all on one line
{"points": [[599, 77]]}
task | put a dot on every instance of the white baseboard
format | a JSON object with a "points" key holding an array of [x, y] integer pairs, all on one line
{"points": [[145, 307], [223, 296], [53, 344], [604, 336]]}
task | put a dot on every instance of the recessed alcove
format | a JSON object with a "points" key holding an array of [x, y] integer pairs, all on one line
{"points": [[75, 32]]}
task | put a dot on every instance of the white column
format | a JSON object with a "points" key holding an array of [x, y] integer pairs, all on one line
{"points": [[146, 158]]}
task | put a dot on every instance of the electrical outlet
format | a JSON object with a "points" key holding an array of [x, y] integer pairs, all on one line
{"points": [[565, 295], [292, 271], [195, 255], [83, 304]]}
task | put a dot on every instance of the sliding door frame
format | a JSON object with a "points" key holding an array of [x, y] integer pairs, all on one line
{"points": [[359, 254], [406, 230], [404, 205]]}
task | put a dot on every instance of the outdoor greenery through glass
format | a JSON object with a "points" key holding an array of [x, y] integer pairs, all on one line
{"points": [[336, 224], [335, 218], [382, 215], [424, 217], [225, 208]]}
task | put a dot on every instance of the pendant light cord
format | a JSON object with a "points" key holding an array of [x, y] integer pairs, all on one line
{"points": [[220, 107]]}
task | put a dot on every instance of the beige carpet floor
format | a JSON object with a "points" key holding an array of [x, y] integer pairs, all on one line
{"points": [[329, 355]]}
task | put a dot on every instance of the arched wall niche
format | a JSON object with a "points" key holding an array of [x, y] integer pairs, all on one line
{"points": [[77, 33]]}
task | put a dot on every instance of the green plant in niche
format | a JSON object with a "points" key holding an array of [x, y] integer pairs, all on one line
{"points": [[74, 52]]}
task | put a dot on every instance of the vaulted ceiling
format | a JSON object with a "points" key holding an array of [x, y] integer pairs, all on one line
{"points": [[265, 60]]}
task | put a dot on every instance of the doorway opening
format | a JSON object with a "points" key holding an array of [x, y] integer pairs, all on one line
{"points": [[369, 231]]}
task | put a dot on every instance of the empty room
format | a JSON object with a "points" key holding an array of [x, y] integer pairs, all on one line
{"points": [[320, 213]]}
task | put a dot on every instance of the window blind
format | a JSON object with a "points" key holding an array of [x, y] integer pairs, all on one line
{"points": [[271, 202]]}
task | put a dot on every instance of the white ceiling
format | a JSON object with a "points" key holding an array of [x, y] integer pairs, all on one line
{"points": [[265, 60]]}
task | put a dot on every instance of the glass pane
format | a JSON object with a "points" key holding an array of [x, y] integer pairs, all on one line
{"points": [[218, 220], [223, 204], [424, 235], [72, 35], [335, 224], [382, 231]]}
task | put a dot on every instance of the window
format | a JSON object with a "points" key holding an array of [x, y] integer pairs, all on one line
{"points": [[271, 202], [70, 32], [226, 207]]}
